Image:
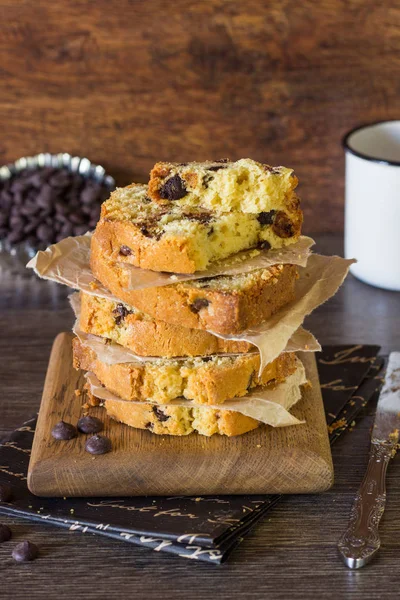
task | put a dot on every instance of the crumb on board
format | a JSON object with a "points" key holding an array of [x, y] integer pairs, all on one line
{"points": [[258, 445], [337, 425], [85, 406], [78, 392]]}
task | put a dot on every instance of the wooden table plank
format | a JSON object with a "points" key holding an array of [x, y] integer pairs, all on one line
{"points": [[292, 553]]}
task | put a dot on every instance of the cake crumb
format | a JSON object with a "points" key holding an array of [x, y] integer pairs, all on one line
{"points": [[78, 392], [93, 285]]}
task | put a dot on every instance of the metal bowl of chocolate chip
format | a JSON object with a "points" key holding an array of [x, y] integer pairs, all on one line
{"points": [[45, 198]]}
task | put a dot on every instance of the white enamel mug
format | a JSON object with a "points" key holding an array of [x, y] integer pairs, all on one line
{"points": [[372, 204]]}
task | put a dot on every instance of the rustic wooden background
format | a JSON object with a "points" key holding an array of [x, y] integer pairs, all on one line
{"points": [[130, 82]]}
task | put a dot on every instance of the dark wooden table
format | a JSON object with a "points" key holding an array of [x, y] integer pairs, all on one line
{"points": [[291, 554]]}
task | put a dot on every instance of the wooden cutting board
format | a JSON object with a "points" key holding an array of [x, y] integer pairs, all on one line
{"points": [[287, 460]]}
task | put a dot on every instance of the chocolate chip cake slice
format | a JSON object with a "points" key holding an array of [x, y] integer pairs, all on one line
{"points": [[224, 305], [179, 420], [146, 336], [223, 186], [184, 238], [209, 380]]}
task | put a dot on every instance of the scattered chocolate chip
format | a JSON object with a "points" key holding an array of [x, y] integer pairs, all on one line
{"points": [[5, 533], [149, 425], [125, 251], [207, 358], [266, 218], [283, 226], [161, 416], [5, 492], [25, 551], [264, 245], [98, 444], [89, 424], [64, 431], [198, 304], [173, 189]]}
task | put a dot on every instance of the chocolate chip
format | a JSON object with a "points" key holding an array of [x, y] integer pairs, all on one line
{"points": [[36, 203], [173, 189], [125, 251], [207, 358], [149, 425], [144, 231], [5, 533], [266, 218], [283, 226], [264, 245], [203, 217], [5, 492], [216, 167], [89, 424], [25, 551], [98, 444], [64, 431], [161, 416], [121, 311], [198, 304], [210, 231]]}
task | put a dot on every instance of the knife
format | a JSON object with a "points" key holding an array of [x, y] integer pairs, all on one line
{"points": [[360, 542]]}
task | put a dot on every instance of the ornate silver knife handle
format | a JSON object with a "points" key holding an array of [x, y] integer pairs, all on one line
{"points": [[361, 540]]}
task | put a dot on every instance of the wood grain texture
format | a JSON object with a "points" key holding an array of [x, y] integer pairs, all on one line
{"points": [[127, 83], [264, 461], [291, 554]]}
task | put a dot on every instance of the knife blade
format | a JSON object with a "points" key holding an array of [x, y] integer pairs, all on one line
{"points": [[360, 542]]}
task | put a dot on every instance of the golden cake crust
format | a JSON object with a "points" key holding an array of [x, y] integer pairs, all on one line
{"points": [[211, 381], [225, 305], [146, 336]]}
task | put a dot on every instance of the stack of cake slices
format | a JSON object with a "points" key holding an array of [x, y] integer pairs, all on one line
{"points": [[189, 315], [187, 218]]}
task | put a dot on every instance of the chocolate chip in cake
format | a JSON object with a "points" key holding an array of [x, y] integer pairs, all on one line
{"points": [[264, 245], [121, 311], [161, 416], [149, 425], [198, 304], [206, 358], [125, 251], [216, 167], [89, 424], [283, 226], [173, 189], [5, 533], [144, 231], [25, 551], [266, 218], [64, 431], [5, 492], [98, 444]]}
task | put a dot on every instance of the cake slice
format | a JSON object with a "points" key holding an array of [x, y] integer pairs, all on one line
{"points": [[146, 336], [210, 380], [179, 420], [225, 304], [224, 186], [186, 238]]}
